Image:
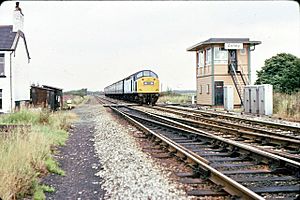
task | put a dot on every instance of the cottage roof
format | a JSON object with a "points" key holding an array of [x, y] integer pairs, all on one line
{"points": [[9, 39], [210, 41]]}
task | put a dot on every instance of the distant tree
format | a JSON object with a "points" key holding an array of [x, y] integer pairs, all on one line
{"points": [[82, 92], [282, 71], [169, 91]]}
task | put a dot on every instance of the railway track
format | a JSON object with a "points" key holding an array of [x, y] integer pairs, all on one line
{"points": [[281, 142], [258, 124], [236, 169], [286, 145], [104, 100]]}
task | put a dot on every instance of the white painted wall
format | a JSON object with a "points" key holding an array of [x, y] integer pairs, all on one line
{"points": [[18, 20], [20, 78]]}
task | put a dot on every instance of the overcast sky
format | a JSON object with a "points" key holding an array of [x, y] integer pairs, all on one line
{"points": [[75, 45]]}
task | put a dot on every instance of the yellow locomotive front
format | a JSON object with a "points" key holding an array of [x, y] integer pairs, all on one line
{"points": [[147, 86]]}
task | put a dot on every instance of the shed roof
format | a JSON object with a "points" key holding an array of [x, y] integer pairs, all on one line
{"points": [[210, 41], [41, 88], [53, 88], [46, 87], [9, 39]]}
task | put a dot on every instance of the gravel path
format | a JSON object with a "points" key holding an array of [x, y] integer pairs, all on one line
{"points": [[77, 158], [124, 172], [128, 172]]}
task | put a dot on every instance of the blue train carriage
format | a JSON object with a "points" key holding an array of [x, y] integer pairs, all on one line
{"points": [[115, 90], [141, 87]]}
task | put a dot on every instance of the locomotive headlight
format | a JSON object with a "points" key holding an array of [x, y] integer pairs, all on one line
{"points": [[148, 83]]}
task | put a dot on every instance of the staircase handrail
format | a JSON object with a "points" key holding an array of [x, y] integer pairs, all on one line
{"points": [[245, 79], [235, 84], [235, 74]]}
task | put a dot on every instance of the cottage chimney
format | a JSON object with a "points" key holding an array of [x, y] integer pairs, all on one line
{"points": [[18, 19]]}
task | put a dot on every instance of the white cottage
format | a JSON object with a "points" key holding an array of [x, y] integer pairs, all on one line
{"points": [[14, 65]]}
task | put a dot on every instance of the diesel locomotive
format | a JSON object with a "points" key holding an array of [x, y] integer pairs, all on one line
{"points": [[141, 87]]}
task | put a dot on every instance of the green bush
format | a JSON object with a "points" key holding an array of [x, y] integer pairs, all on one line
{"points": [[282, 71], [22, 117]]}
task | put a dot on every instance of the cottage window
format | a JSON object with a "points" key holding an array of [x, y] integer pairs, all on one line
{"points": [[208, 56], [200, 59], [220, 56], [0, 98], [2, 64], [207, 89]]}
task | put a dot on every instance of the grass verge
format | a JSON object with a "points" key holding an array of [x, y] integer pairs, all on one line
{"points": [[287, 106], [75, 101], [175, 98], [26, 153]]}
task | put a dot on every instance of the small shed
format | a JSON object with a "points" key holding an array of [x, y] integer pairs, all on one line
{"points": [[46, 97]]}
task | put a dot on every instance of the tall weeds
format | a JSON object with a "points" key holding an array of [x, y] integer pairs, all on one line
{"points": [[21, 161], [24, 152], [287, 106]]}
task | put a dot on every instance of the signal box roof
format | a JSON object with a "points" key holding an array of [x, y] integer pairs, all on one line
{"points": [[211, 41]]}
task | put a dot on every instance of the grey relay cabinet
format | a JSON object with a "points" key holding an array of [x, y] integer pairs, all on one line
{"points": [[258, 99]]}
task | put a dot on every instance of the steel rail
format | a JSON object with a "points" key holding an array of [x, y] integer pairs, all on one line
{"points": [[280, 140], [279, 159], [218, 122], [229, 141], [253, 121], [115, 102], [99, 98], [230, 186]]}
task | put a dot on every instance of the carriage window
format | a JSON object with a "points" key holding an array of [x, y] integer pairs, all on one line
{"points": [[2, 64]]}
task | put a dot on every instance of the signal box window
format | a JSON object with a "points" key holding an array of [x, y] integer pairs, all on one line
{"points": [[207, 89], [208, 56], [221, 56], [0, 98], [2, 64], [201, 59]]}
